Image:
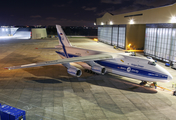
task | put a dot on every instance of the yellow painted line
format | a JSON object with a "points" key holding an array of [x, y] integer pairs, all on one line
{"points": [[162, 88], [165, 88]]}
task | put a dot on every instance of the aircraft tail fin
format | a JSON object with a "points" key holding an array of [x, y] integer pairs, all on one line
{"points": [[62, 37]]}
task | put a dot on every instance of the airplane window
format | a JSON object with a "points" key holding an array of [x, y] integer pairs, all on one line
{"points": [[151, 63]]}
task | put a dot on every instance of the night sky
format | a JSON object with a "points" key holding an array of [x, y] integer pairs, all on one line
{"points": [[68, 12]]}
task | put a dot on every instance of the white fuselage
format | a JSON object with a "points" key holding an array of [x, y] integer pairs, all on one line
{"points": [[137, 68], [124, 64]]}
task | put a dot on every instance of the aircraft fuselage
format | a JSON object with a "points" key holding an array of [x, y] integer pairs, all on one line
{"points": [[125, 65]]}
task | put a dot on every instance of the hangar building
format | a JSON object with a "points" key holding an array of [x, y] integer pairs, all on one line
{"points": [[151, 30], [22, 33]]}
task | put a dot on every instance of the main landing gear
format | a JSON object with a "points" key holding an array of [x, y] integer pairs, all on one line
{"points": [[90, 71], [143, 83]]}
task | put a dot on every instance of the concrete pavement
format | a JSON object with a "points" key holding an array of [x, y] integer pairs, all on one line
{"points": [[49, 93]]}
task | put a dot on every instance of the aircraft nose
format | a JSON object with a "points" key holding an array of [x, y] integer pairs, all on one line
{"points": [[169, 77]]}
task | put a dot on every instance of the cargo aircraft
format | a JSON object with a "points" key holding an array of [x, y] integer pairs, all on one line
{"points": [[123, 64]]}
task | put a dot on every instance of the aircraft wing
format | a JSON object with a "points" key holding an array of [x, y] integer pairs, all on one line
{"points": [[50, 48], [60, 61]]}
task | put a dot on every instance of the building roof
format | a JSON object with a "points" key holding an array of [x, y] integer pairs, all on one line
{"points": [[166, 14]]}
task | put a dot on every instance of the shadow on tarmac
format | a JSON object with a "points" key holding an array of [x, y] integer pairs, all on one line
{"points": [[57, 74]]}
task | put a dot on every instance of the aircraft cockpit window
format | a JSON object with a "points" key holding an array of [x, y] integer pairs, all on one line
{"points": [[151, 63]]}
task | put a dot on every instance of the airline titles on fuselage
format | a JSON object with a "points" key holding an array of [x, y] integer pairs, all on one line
{"points": [[128, 69]]}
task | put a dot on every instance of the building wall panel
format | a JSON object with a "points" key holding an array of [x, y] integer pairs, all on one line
{"points": [[161, 43]]}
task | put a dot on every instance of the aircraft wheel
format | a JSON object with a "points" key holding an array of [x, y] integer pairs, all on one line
{"points": [[88, 71], [143, 83], [174, 93]]}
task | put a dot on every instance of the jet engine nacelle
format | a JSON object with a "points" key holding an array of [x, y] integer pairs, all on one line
{"points": [[74, 71], [98, 69]]}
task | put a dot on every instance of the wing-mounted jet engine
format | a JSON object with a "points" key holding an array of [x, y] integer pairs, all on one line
{"points": [[97, 68], [72, 70]]}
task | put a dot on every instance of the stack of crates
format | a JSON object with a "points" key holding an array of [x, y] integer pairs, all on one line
{"points": [[10, 113]]}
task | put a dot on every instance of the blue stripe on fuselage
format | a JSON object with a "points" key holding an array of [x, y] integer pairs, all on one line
{"points": [[132, 70]]}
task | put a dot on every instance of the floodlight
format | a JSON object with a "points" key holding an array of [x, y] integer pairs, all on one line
{"points": [[102, 23], [173, 19], [111, 23], [131, 21]]}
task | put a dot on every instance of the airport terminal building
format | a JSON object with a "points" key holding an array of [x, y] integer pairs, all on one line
{"points": [[151, 30]]}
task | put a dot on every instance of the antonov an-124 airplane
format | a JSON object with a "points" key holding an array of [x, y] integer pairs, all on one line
{"points": [[124, 64]]}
